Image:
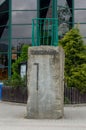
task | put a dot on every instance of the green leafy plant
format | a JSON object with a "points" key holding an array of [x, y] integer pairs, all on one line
{"points": [[75, 59], [23, 58], [16, 80], [66, 100]]}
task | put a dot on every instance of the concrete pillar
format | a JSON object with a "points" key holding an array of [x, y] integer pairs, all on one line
{"points": [[45, 80]]}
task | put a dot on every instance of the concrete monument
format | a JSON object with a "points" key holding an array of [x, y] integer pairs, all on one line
{"points": [[45, 80]]}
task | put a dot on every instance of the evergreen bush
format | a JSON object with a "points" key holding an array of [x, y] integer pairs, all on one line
{"points": [[75, 59]]}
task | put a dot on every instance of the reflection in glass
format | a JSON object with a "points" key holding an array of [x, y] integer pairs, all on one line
{"points": [[80, 3], [24, 4], [82, 28], [4, 38], [23, 17], [64, 15], [22, 14], [80, 16]]}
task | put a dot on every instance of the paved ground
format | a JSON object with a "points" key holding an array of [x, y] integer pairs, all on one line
{"points": [[12, 117]]}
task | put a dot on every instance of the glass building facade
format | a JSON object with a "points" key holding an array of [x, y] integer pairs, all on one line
{"points": [[80, 16], [16, 24]]}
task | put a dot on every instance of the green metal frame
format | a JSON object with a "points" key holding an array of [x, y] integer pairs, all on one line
{"points": [[55, 26], [39, 25], [10, 39], [54, 8], [44, 31]]}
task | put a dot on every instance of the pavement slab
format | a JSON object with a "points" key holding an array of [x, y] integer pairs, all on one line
{"points": [[13, 117]]}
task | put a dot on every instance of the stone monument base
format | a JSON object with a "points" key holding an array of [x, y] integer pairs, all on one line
{"points": [[45, 80]]}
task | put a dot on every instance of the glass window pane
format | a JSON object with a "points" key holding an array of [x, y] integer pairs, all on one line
{"points": [[4, 32], [23, 16], [45, 9], [3, 66], [64, 17], [24, 4], [21, 31], [80, 16], [80, 3], [3, 45], [61, 2], [3, 60], [16, 43], [82, 28], [49, 12], [4, 22]]}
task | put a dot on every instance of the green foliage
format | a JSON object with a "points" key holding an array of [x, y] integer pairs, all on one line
{"points": [[78, 78], [23, 57], [66, 100], [16, 80], [16, 83], [75, 59]]}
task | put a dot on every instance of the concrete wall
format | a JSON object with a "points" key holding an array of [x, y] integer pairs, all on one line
{"points": [[45, 79]]}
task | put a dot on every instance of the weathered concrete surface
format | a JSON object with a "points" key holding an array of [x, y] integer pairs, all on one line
{"points": [[45, 82]]}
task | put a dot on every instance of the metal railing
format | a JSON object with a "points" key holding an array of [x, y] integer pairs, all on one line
{"points": [[73, 96], [45, 31]]}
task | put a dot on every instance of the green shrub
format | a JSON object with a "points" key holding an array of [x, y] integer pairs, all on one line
{"points": [[75, 59], [16, 80], [23, 58]]}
